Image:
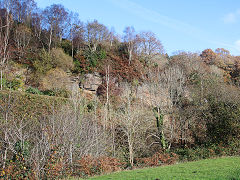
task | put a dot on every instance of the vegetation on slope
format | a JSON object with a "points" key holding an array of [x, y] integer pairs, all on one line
{"points": [[150, 109]]}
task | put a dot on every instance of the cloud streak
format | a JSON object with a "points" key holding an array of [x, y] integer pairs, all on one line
{"points": [[155, 17], [232, 17], [177, 25]]}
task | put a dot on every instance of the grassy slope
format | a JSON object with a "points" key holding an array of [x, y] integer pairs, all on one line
{"points": [[34, 106], [221, 168]]}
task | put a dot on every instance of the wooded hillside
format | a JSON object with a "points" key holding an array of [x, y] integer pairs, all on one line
{"points": [[78, 99]]}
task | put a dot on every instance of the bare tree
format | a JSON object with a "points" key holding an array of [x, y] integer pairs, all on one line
{"points": [[134, 123], [5, 26], [22, 10], [76, 32], [130, 39], [22, 37], [96, 34], [56, 19], [148, 45]]}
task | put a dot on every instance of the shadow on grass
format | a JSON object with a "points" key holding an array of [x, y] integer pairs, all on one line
{"points": [[235, 175]]}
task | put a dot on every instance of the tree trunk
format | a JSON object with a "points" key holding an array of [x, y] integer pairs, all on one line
{"points": [[131, 155], [50, 39], [1, 79]]}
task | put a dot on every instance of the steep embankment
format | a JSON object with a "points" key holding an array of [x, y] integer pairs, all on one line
{"points": [[22, 105]]}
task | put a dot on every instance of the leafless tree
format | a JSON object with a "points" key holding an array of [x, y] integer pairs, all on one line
{"points": [[96, 34], [130, 40], [5, 27], [22, 10], [22, 37], [148, 45], [134, 123], [56, 19], [76, 32]]}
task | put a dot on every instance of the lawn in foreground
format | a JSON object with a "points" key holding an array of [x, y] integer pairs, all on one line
{"points": [[221, 168]]}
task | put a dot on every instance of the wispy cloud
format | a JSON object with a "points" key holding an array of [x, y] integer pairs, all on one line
{"points": [[232, 17], [237, 45], [177, 25], [155, 17]]}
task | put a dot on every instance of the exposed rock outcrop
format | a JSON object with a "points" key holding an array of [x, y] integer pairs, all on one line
{"points": [[91, 82]]}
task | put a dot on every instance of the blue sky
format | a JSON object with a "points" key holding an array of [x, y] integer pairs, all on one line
{"points": [[186, 25]]}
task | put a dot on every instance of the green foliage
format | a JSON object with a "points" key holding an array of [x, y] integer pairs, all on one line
{"points": [[24, 105], [205, 152], [61, 60], [33, 91], [57, 92], [77, 67], [94, 57], [223, 121], [66, 45], [88, 60], [47, 61], [159, 121], [44, 63], [13, 84], [22, 148], [18, 167]]}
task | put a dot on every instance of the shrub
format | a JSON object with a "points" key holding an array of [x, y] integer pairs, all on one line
{"points": [[13, 84], [89, 166], [43, 63], [57, 92], [88, 60], [33, 90], [18, 167], [55, 59], [54, 79], [61, 60], [158, 159]]}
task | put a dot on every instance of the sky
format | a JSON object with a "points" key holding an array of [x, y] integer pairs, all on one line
{"points": [[181, 25]]}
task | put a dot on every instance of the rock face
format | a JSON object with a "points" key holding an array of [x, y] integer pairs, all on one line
{"points": [[91, 82]]}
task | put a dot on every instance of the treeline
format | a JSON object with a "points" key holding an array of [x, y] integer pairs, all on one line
{"points": [[150, 109]]}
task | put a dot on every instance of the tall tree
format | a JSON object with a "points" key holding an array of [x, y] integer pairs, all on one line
{"points": [[5, 27], [22, 10], [56, 18], [96, 34], [76, 32], [208, 56], [22, 37], [130, 39], [148, 45]]}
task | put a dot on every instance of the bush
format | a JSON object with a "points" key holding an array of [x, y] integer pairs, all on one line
{"points": [[54, 79], [158, 159], [13, 84], [57, 92], [208, 152], [33, 91], [43, 63], [18, 167], [89, 166], [89, 60], [61, 60], [55, 59]]}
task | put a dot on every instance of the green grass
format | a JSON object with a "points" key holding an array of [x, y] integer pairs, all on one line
{"points": [[221, 168]]}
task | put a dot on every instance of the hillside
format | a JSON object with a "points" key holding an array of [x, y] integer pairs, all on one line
{"points": [[78, 99]]}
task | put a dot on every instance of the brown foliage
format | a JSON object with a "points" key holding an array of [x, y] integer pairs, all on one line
{"points": [[158, 159], [208, 56], [121, 69], [89, 166]]}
